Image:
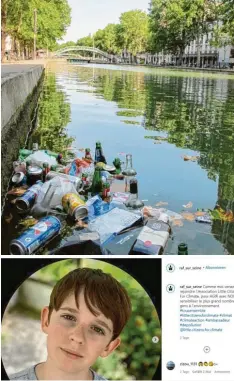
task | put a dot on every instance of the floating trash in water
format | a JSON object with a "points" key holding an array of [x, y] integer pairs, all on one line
{"points": [[81, 224], [18, 191], [188, 206], [205, 219], [122, 154], [188, 216], [28, 222], [199, 214], [148, 211], [177, 222], [190, 158], [172, 215], [160, 203]]}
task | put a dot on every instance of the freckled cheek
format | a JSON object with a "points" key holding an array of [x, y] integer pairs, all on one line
{"points": [[57, 334], [96, 343]]}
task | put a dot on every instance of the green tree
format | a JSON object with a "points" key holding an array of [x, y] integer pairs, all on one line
{"points": [[99, 39], [53, 18], [206, 14], [85, 41], [107, 39], [12, 22], [227, 10], [134, 30], [171, 24], [65, 45], [175, 23], [221, 38], [223, 33], [3, 27]]}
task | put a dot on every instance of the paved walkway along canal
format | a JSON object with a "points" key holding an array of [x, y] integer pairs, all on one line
{"points": [[163, 118]]}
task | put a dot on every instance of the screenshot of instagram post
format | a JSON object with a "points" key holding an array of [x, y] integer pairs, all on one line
{"points": [[197, 319], [81, 319]]}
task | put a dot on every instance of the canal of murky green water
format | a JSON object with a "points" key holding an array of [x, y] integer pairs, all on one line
{"points": [[158, 116]]}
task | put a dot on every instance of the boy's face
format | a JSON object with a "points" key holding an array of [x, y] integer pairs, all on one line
{"points": [[76, 338]]}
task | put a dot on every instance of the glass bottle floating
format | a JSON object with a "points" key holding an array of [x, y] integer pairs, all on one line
{"points": [[128, 170], [182, 249], [97, 184], [99, 156], [133, 200]]}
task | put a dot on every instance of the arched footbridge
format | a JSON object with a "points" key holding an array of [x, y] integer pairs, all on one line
{"points": [[72, 52]]}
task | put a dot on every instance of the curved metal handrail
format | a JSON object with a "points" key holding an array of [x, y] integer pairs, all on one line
{"points": [[84, 48]]}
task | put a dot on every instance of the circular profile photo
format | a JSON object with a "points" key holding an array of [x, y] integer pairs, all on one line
{"points": [[170, 365], [81, 319]]}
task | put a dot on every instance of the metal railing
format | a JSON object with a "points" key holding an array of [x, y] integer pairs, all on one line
{"points": [[82, 48]]}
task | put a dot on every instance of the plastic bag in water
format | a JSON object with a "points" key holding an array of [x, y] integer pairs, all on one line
{"points": [[50, 195], [113, 222], [40, 157]]}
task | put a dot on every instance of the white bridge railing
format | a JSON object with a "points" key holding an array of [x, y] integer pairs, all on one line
{"points": [[64, 51]]}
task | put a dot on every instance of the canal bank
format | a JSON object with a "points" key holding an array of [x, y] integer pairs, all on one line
{"points": [[179, 68], [20, 88], [199, 69], [151, 66]]}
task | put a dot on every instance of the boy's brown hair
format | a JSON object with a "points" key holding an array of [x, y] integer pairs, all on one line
{"points": [[101, 291]]}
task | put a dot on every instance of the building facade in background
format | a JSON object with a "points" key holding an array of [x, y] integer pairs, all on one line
{"points": [[209, 55]]}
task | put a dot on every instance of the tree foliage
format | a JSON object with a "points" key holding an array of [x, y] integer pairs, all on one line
{"points": [[65, 45], [85, 41], [228, 17], [52, 19], [134, 28], [170, 26], [108, 39], [224, 31], [131, 33], [175, 23], [220, 38]]}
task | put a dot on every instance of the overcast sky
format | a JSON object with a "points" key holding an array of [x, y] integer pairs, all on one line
{"points": [[90, 15]]}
